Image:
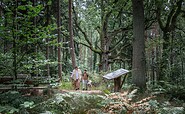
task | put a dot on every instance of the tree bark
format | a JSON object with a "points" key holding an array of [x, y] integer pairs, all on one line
{"points": [[47, 40], [59, 41], [104, 38], [138, 62], [34, 36], [72, 50], [14, 30]]}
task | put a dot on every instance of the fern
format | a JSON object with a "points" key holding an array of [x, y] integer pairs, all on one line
{"points": [[132, 93], [8, 109]]}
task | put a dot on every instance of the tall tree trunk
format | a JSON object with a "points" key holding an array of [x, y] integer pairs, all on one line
{"points": [[34, 36], [91, 52], [47, 40], [14, 51], [47, 58], [14, 31], [138, 62], [152, 68], [72, 50], [95, 56], [59, 41], [104, 39], [5, 41], [1, 10], [182, 63]]}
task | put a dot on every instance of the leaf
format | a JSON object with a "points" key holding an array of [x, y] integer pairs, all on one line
{"points": [[132, 93], [8, 109], [22, 7], [49, 3], [106, 91], [153, 103], [2, 108], [27, 104]]}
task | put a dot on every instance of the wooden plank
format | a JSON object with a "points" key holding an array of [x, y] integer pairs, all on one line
{"points": [[20, 88], [116, 74]]}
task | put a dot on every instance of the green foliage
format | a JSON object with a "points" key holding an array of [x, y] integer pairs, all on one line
{"points": [[25, 36], [83, 102], [49, 2], [106, 91], [169, 89], [173, 110], [13, 101], [132, 94], [66, 85], [6, 64], [8, 109], [176, 91], [27, 104], [69, 103], [13, 98]]}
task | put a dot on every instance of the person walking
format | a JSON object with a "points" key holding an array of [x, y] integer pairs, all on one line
{"points": [[85, 77], [76, 77]]}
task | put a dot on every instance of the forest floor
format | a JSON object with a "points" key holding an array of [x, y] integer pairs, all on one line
{"points": [[94, 101], [135, 102], [82, 91]]}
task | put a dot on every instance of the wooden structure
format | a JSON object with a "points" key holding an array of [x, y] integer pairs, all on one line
{"points": [[23, 82], [116, 75]]}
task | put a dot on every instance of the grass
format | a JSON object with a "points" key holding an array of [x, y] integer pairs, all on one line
{"points": [[66, 85]]}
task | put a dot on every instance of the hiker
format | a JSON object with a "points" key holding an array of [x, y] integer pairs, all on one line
{"points": [[76, 77], [85, 80]]}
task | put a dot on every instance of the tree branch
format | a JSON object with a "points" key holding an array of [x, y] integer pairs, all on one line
{"points": [[158, 15], [90, 47], [116, 45], [120, 51], [177, 12], [119, 30], [78, 26], [169, 19], [85, 36]]}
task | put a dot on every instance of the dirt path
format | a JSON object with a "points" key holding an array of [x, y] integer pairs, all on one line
{"points": [[82, 91]]}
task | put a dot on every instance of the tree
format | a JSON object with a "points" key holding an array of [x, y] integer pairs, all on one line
{"points": [[138, 60], [107, 30], [172, 10], [72, 51], [14, 40], [59, 40], [48, 18]]}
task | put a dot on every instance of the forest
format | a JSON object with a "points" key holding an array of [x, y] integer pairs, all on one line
{"points": [[43, 41]]}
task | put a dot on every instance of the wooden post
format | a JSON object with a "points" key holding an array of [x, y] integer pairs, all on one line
{"points": [[117, 84]]}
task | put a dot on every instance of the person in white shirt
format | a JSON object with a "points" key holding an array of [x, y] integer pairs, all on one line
{"points": [[76, 77]]}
